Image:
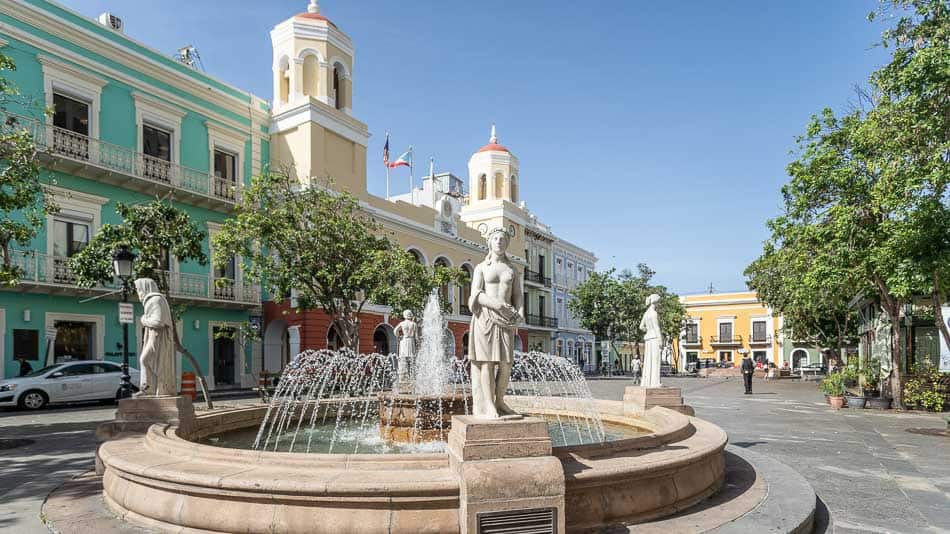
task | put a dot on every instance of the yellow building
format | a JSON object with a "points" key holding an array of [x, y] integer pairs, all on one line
{"points": [[726, 326]]}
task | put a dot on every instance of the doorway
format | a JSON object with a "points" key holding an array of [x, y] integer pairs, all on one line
{"points": [[74, 341], [224, 355]]}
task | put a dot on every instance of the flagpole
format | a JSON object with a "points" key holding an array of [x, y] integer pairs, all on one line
{"points": [[386, 164], [410, 173]]}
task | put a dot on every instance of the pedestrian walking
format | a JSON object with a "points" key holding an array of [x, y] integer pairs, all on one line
{"points": [[747, 369], [635, 369]]}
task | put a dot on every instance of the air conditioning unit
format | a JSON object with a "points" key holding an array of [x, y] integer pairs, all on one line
{"points": [[111, 21]]}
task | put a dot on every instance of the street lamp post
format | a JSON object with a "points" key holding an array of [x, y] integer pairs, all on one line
{"points": [[122, 261]]}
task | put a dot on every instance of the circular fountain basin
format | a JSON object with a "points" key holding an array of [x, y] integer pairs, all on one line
{"points": [[410, 418], [172, 481]]}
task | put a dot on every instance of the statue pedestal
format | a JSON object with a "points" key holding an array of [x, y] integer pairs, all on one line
{"points": [[507, 475], [136, 414], [638, 399]]}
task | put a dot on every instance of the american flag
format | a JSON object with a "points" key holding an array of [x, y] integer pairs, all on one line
{"points": [[386, 152]]}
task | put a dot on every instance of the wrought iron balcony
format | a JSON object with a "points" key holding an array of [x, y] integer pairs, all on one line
{"points": [[760, 339], [537, 278], [725, 340], [82, 155], [541, 320], [52, 274]]}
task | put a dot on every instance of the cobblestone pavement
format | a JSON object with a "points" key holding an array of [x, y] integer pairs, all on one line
{"points": [[871, 473]]}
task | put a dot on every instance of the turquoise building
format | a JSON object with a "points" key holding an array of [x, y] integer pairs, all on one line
{"points": [[128, 124]]}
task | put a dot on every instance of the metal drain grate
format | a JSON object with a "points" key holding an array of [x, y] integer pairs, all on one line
{"points": [[528, 521]]}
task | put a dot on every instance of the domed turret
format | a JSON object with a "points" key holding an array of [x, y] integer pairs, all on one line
{"points": [[493, 173]]}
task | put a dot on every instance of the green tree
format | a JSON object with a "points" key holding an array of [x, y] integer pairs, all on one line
{"points": [[156, 231], [807, 276], [24, 200], [319, 243]]}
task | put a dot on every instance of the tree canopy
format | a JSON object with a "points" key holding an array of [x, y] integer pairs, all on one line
{"points": [[321, 245], [24, 200], [156, 231]]}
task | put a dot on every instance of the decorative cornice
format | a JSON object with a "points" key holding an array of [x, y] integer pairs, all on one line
{"points": [[313, 110], [309, 30], [54, 65], [58, 26], [122, 77]]}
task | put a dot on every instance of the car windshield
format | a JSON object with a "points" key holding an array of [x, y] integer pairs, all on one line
{"points": [[42, 371]]}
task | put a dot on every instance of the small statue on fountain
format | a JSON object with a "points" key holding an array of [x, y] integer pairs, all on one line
{"points": [[408, 333], [157, 360], [652, 339], [497, 310]]}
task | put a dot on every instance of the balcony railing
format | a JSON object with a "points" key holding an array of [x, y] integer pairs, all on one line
{"points": [[541, 320], [62, 143], [537, 278], [39, 268], [760, 339], [726, 340]]}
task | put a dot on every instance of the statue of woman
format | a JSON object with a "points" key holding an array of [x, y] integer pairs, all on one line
{"points": [[652, 338], [497, 309], [408, 333], [157, 359]]}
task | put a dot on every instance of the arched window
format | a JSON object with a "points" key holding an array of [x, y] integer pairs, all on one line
{"points": [[499, 185], [570, 351], [283, 74], [383, 339], [482, 187], [338, 92], [465, 345], [311, 70], [444, 288], [417, 255], [514, 188]]}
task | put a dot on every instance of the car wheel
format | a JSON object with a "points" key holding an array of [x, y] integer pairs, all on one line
{"points": [[33, 400]]}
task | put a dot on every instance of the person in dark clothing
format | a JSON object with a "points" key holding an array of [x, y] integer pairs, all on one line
{"points": [[25, 367], [747, 369]]}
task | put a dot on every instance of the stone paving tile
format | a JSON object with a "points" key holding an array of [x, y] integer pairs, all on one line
{"points": [[871, 473]]}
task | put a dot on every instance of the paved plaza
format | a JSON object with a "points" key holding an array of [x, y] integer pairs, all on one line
{"points": [[873, 471]]}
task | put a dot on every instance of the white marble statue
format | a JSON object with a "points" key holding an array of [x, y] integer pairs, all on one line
{"points": [[652, 339], [408, 333], [157, 359], [497, 309]]}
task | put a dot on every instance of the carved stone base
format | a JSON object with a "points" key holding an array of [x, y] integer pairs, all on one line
{"points": [[136, 414], [506, 473], [637, 399]]}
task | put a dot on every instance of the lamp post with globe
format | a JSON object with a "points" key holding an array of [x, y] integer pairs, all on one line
{"points": [[122, 262]]}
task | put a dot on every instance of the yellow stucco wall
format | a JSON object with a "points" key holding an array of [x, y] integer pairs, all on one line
{"points": [[739, 308]]}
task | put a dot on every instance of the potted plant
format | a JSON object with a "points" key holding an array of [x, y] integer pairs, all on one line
{"points": [[833, 386]]}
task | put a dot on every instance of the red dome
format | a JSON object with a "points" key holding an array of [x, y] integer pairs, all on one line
{"points": [[313, 16], [494, 147]]}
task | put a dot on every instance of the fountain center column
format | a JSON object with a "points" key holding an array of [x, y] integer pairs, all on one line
{"points": [[507, 475]]}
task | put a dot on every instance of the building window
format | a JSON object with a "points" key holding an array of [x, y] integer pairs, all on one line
{"points": [[26, 344], [225, 172], [482, 186], [725, 356], [760, 356], [74, 341], [692, 357], [514, 189], [541, 264], [69, 237], [725, 332], [157, 147], [71, 118], [226, 273], [758, 332], [692, 333]]}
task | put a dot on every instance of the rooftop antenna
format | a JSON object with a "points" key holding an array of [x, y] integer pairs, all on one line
{"points": [[188, 55], [711, 289]]}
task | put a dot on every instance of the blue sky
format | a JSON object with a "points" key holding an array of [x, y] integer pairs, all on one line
{"points": [[652, 132]]}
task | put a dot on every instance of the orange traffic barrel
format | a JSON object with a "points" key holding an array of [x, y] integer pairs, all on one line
{"points": [[188, 385]]}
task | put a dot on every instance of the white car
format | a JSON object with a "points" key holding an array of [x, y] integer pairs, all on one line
{"points": [[66, 382]]}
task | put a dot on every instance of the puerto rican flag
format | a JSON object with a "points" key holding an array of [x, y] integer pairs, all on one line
{"points": [[404, 160]]}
